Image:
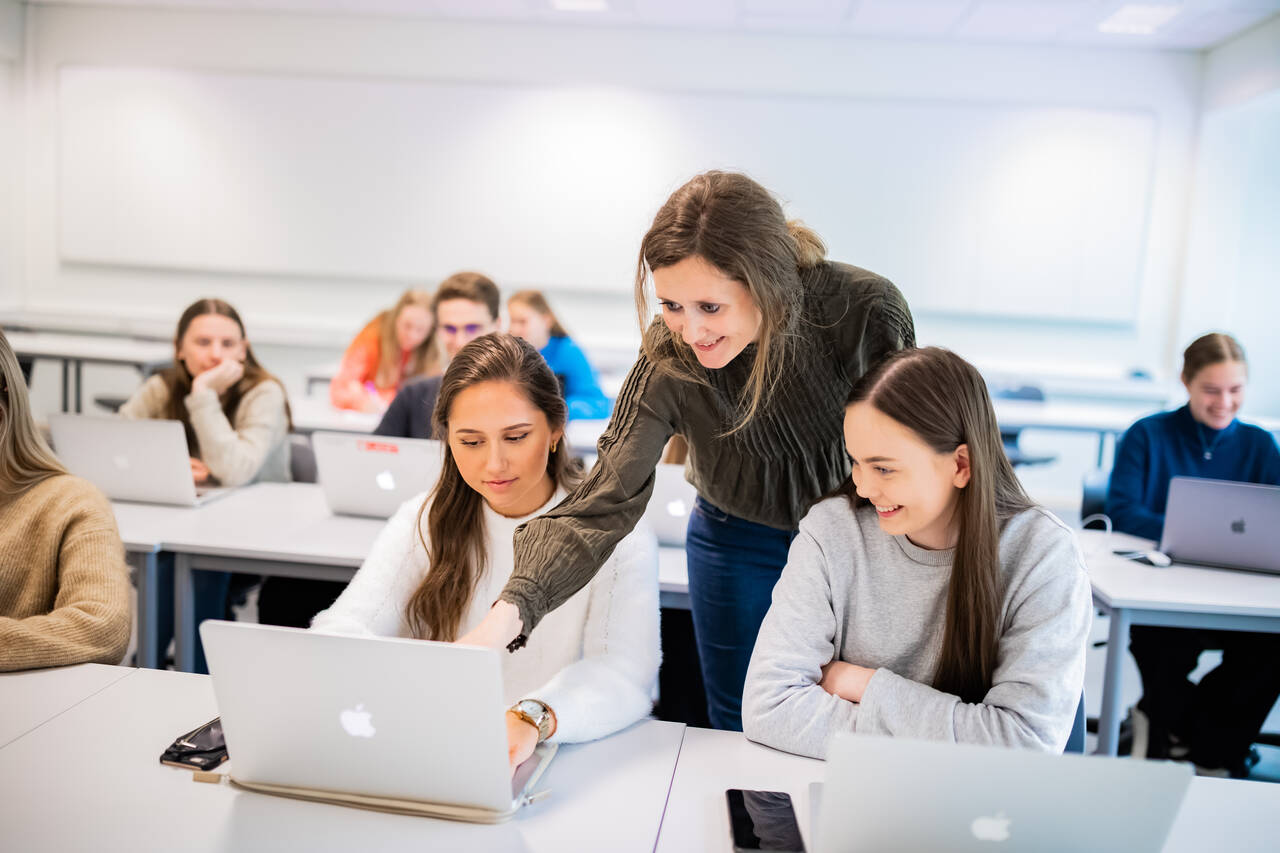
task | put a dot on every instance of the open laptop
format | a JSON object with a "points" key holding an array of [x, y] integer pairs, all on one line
{"points": [[130, 460], [373, 475], [332, 718], [1223, 523], [670, 505], [886, 793]]}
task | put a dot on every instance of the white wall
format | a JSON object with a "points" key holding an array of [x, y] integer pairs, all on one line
{"points": [[322, 309], [11, 198], [1234, 244]]}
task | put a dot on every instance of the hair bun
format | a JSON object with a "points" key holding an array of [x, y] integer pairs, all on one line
{"points": [[810, 250]]}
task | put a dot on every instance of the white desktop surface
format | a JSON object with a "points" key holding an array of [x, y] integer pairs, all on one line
{"points": [[101, 348], [1227, 814], [91, 780], [32, 698], [710, 762], [673, 570], [143, 527], [1118, 582], [317, 414], [276, 521]]}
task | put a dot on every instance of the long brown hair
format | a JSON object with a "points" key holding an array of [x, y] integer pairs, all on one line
{"points": [[1213, 348], [177, 379], [455, 515], [942, 399], [734, 224], [25, 458], [535, 300], [425, 357]]}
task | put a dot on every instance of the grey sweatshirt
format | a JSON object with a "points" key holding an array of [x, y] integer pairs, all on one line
{"points": [[851, 592]]}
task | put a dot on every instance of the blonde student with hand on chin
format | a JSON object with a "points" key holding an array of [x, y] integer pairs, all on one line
{"points": [[932, 600], [442, 559], [236, 417]]}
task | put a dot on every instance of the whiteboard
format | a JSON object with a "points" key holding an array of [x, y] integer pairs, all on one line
{"points": [[972, 208]]}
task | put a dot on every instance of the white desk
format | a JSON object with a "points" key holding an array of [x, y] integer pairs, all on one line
{"points": [[317, 414], [34, 697], [1177, 596], [282, 529], [74, 350], [91, 780], [673, 578], [321, 374], [1217, 814]]}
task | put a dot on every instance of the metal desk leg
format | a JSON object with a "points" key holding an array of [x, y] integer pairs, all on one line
{"points": [[1109, 718], [148, 608], [79, 384], [66, 383], [184, 615]]}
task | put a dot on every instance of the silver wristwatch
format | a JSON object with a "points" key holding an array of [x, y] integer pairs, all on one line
{"points": [[537, 714]]}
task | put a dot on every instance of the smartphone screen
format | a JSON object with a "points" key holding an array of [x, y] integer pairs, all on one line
{"points": [[763, 820]]}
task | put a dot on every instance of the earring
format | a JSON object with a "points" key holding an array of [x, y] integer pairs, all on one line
{"points": [[554, 445]]}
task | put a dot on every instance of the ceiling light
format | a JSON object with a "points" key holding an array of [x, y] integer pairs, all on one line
{"points": [[1141, 19]]}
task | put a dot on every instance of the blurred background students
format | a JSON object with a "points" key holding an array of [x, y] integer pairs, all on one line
{"points": [[1212, 723], [532, 319], [64, 585], [394, 347], [466, 307]]}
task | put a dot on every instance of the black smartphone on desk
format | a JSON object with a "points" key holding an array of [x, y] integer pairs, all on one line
{"points": [[764, 821], [201, 748]]}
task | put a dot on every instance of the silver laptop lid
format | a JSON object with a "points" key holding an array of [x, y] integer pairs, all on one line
{"points": [[373, 475], [1223, 523], [897, 794], [385, 717], [670, 505], [129, 460]]}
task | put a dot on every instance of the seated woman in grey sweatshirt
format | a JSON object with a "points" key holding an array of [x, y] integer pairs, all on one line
{"points": [[932, 600]]}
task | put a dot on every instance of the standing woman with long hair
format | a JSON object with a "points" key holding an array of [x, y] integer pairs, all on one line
{"points": [[64, 585], [759, 342], [441, 559], [932, 600]]}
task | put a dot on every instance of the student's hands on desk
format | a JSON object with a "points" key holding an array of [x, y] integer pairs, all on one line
{"points": [[846, 680], [522, 737], [199, 471]]}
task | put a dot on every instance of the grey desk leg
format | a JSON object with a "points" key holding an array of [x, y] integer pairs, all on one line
{"points": [[66, 385], [79, 385], [184, 615], [1109, 719], [148, 609]]}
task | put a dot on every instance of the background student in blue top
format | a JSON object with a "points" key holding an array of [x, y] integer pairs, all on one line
{"points": [[533, 320], [1212, 723]]}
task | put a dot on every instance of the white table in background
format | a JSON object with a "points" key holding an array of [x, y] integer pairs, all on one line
{"points": [[281, 529], [1178, 596], [320, 374], [30, 699], [673, 578], [1217, 814], [75, 350], [317, 414], [91, 780]]}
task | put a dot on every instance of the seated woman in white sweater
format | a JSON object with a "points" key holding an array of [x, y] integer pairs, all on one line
{"points": [[933, 600], [588, 669]]}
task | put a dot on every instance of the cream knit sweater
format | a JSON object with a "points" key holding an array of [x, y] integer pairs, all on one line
{"points": [[64, 585]]}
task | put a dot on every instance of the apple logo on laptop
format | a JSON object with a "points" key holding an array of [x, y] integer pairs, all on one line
{"points": [[677, 509], [357, 722], [385, 481], [1237, 526], [120, 461], [991, 828]]}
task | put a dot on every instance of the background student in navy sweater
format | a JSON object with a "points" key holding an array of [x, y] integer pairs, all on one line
{"points": [[533, 320], [1213, 723]]}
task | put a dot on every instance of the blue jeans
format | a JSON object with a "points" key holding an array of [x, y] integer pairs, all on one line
{"points": [[211, 603], [733, 565]]}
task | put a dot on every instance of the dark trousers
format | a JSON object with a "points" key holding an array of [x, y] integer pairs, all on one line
{"points": [[211, 603], [1218, 718], [733, 565], [294, 602]]}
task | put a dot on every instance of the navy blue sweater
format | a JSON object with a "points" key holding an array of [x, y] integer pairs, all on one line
{"points": [[1174, 444]]}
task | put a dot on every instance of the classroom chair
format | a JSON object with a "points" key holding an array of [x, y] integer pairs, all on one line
{"points": [[1017, 456], [1075, 740], [1093, 496], [302, 459]]}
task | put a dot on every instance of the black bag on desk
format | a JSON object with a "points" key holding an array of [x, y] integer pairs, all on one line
{"points": [[203, 748]]}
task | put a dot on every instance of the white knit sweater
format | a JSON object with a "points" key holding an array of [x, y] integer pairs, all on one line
{"points": [[594, 659]]}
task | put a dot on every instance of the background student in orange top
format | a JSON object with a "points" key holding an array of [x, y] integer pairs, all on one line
{"points": [[397, 345]]}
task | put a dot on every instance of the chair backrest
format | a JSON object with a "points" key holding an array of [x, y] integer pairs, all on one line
{"points": [[302, 459], [1075, 740], [1093, 497]]}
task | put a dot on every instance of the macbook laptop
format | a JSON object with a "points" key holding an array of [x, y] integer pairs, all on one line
{"points": [[897, 794], [1223, 523], [372, 474], [331, 718], [143, 460], [670, 505]]}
